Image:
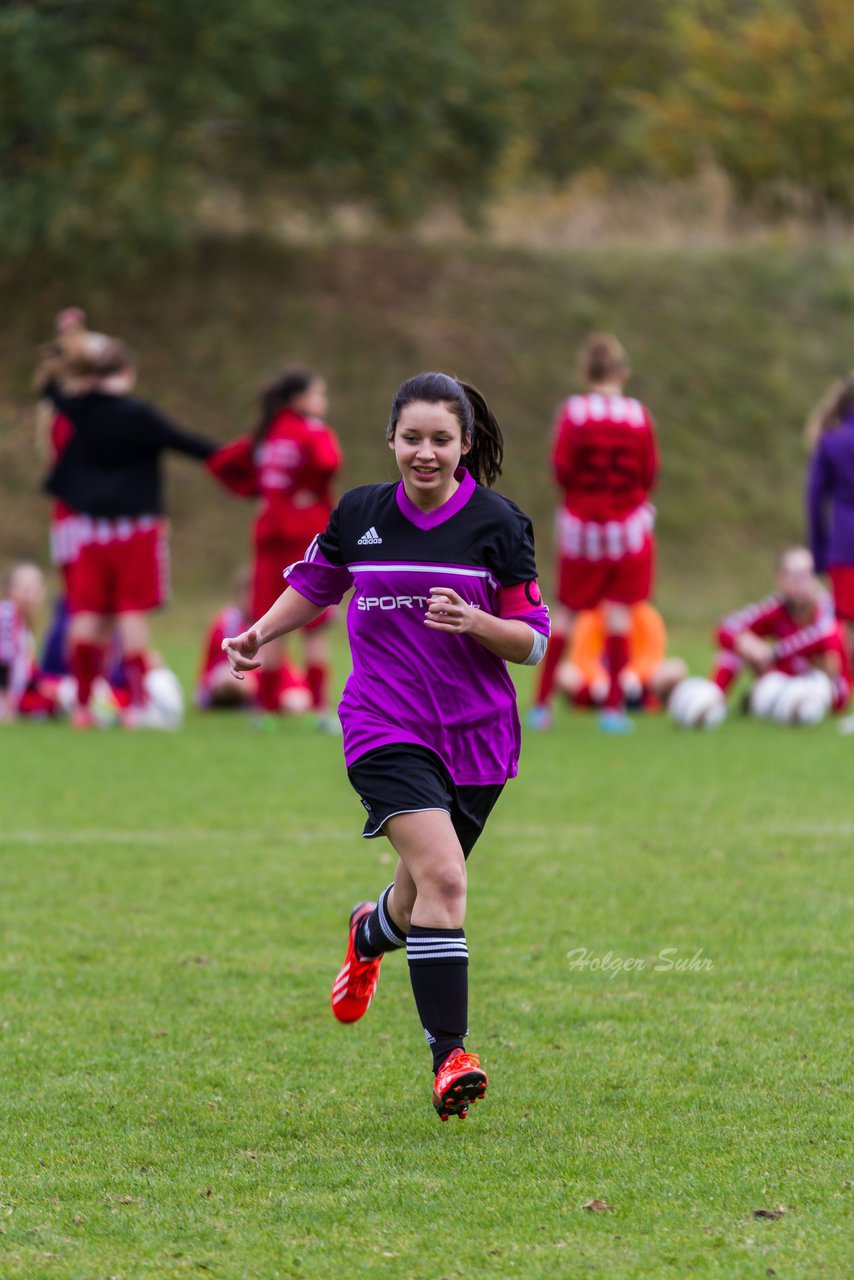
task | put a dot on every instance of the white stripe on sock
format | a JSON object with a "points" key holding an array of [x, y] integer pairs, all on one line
{"points": [[386, 925], [439, 955], [415, 944]]}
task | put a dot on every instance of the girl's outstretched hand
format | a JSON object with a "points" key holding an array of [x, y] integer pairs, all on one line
{"points": [[242, 652]]}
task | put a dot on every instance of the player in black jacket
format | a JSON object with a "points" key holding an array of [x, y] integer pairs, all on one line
{"points": [[109, 474]]}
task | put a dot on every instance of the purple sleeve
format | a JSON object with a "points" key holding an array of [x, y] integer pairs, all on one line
{"points": [[320, 576], [525, 604], [818, 493]]}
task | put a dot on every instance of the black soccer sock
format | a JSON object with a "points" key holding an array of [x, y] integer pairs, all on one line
{"points": [[377, 932], [439, 972]]}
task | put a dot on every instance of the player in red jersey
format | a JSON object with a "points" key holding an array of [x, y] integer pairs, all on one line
{"points": [[109, 475], [289, 463], [24, 691], [794, 631], [605, 460], [54, 434], [215, 687]]}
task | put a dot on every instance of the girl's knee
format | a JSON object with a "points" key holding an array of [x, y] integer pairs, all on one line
{"points": [[447, 882]]}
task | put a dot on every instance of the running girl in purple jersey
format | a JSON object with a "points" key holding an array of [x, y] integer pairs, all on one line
{"points": [[444, 595]]}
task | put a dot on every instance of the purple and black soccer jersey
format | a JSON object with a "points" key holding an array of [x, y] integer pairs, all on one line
{"points": [[409, 683]]}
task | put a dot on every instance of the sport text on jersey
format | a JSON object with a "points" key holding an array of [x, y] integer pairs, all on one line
{"points": [[386, 603], [369, 539]]}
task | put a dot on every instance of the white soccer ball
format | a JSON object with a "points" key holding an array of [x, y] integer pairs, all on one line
{"points": [[103, 705], [765, 693], [697, 703], [295, 701], [805, 699], [165, 707], [66, 695]]}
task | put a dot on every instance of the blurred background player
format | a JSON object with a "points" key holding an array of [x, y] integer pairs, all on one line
{"points": [[794, 631], [647, 679], [53, 432], [215, 687], [109, 475], [289, 462], [24, 690], [830, 492], [605, 460]]}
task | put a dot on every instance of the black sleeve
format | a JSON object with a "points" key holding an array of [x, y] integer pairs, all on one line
{"points": [[53, 392], [515, 559], [164, 434], [329, 542]]}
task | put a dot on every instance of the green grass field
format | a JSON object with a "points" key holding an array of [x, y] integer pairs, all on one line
{"points": [[178, 1101]]}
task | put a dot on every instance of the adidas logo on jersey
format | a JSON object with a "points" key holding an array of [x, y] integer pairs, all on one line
{"points": [[369, 539]]}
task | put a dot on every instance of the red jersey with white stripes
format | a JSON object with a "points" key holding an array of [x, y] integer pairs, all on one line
{"points": [[605, 456], [291, 470], [17, 653], [295, 462], [62, 548], [794, 641]]}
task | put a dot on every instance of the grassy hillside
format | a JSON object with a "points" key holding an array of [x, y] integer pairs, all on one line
{"points": [[730, 349]]}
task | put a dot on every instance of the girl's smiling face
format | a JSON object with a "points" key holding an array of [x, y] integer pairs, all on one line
{"points": [[427, 445]]}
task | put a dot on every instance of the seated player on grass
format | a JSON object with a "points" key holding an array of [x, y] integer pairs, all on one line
{"points": [[649, 677], [24, 690], [794, 631], [215, 688]]}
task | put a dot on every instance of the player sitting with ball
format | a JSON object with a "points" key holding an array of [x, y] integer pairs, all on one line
{"points": [[24, 690], [215, 688], [792, 643]]}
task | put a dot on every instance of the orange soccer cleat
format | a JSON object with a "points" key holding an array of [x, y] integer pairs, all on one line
{"points": [[353, 989], [459, 1081]]}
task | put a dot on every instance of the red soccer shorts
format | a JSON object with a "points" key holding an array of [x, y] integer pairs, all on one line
{"points": [[123, 567], [267, 582], [584, 584], [842, 581]]}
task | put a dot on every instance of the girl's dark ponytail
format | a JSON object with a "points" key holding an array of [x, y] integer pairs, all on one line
{"points": [[486, 454], [277, 395]]}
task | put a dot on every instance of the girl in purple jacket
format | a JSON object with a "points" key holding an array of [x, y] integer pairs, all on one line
{"points": [[830, 496]]}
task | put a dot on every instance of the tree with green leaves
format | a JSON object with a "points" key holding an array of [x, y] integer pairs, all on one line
{"points": [[766, 92], [116, 116]]}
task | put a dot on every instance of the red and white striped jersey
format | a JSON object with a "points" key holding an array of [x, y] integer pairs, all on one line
{"points": [[795, 642], [605, 455], [605, 459], [17, 652]]}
